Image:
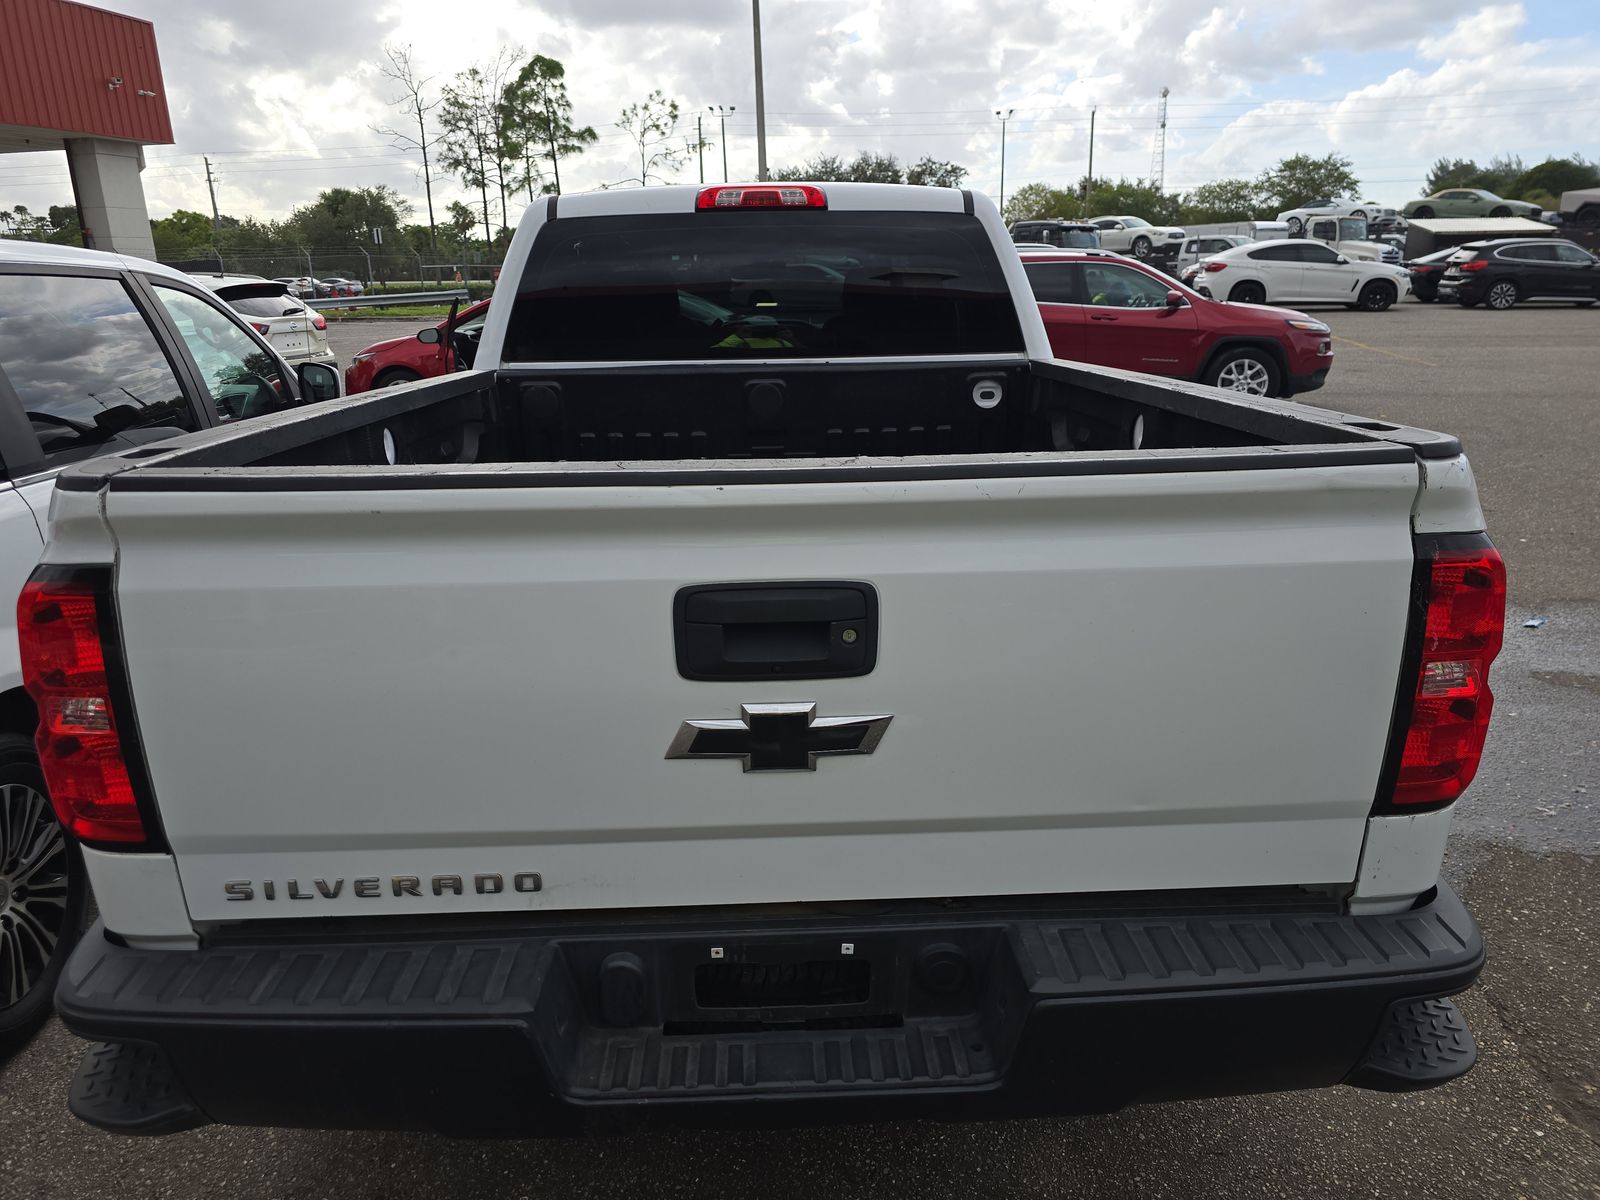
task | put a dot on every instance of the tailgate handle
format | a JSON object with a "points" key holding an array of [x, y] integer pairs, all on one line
{"points": [[802, 630]]}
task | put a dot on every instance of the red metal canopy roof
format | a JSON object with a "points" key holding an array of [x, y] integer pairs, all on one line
{"points": [[58, 64]]}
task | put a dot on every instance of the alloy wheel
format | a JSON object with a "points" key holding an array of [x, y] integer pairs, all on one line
{"points": [[1244, 375], [33, 889], [1502, 295]]}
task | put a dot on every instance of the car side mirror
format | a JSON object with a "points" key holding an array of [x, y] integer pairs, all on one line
{"points": [[1119, 225], [429, 336], [1342, 261], [1176, 299], [319, 381]]}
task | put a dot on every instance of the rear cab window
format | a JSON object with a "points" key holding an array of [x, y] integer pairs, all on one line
{"points": [[86, 366], [761, 285]]}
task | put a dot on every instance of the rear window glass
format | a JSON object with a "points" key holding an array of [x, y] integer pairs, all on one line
{"points": [[281, 305], [761, 284]]}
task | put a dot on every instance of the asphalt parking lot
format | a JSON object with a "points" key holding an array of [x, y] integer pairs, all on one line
{"points": [[1521, 390]]}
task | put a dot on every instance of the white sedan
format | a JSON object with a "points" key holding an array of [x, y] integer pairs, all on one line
{"points": [[1296, 218], [1298, 271]]}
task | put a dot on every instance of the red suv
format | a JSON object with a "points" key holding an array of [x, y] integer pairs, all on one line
{"points": [[1102, 308], [434, 350]]}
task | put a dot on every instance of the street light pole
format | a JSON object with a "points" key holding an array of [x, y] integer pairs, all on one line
{"points": [[700, 143], [761, 102], [1088, 180], [722, 119], [1005, 115]]}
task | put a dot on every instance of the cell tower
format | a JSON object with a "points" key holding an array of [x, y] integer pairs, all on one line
{"points": [[1158, 154]]}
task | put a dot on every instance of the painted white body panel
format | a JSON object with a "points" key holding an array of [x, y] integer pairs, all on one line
{"points": [[1098, 683], [140, 898], [1400, 860]]}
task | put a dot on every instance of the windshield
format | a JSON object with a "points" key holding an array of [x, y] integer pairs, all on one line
{"points": [[1135, 223], [761, 285]]}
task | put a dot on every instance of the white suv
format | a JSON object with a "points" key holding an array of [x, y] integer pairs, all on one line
{"points": [[1298, 271], [1136, 236], [98, 353]]}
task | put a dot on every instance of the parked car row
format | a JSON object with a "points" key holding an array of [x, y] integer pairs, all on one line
{"points": [[304, 287]]}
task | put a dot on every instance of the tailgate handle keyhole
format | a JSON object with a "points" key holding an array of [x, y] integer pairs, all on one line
{"points": [[800, 630]]}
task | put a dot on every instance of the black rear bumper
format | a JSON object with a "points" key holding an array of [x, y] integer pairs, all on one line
{"points": [[689, 1021]]}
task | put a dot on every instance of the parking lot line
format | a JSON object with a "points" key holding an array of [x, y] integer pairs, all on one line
{"points": [[1379, 350]]}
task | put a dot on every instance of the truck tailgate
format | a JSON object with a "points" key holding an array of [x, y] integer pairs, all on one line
{"points": [[383, 700]]}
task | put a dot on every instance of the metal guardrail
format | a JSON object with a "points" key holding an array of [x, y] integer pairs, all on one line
{"points": [[384, 299]]}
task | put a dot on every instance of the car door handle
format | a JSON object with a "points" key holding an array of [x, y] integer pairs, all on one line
{"points": [[1102, 316]]}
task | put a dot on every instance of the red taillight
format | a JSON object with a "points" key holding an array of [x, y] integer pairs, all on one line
{"points": [[1476, 264], [1215, 266], [1451, 700], [263, 330], [64, 670], [782, 195], [318, 321]]}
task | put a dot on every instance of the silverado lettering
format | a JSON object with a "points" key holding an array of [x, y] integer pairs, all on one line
{"points": [[401, 885]]}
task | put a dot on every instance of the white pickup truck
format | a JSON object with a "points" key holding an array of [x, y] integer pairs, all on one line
{"points": [[769, 677]]}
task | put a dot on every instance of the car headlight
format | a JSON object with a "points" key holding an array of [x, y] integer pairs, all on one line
{"points": [[1307, 326]]}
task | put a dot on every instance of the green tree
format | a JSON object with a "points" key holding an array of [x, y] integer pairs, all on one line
{"points": [[824, 168], [539, 117], [652, 124], [468, 123], [1301, 177], [1131, 197], [1551, 177], [930, 172], [185, 234], [868, 167], [1039, 201], [1451, 173], [1219, 201]]}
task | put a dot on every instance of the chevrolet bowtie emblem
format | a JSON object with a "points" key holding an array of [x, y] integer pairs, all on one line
{"points": [[778, 737]]}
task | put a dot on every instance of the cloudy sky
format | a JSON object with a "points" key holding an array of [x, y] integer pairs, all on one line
{"points": [[282, 94]]}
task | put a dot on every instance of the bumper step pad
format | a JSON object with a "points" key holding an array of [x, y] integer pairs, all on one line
{"points": [[1421, 1044], [927, 1053], [130, 1088]]}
